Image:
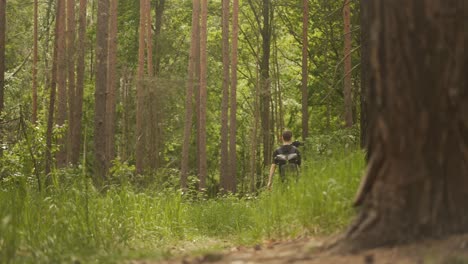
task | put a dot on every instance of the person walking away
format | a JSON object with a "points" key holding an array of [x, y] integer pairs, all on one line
{"points": [[287, 158]]}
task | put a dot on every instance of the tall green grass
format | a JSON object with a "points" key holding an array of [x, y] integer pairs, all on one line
{"points": [[74, 222]]}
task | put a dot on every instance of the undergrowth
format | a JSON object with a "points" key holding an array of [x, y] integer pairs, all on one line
{"points": [[73, 222]]}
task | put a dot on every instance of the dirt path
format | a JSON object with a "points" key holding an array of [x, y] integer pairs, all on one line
{"points": [[453, 250]]}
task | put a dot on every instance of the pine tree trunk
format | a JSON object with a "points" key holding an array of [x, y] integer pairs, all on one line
{"points": [[416, 183], [202, 166], [233, 101], [191, 80], [52, 95], [102, 34], [159, 11], [265, 94], [2, 62], [61, 156], [224, 170], [140, 135], [348, 101], [35, 59], [80, 79], [111, 81], [305, 70], [71, 75]]}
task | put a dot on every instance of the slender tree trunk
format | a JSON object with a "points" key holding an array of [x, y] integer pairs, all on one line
{"points": [[265, 94], [191, 80], [348, 101], [80, 78], [233, 101], [305, 69], [2, 62], [45, 53], [34, 68], [102, 34], [140, 136], [202, 167], [224, 170], [71, 75], [61, 155], [416, 183], [52, 96], [159, 11], [111, 81]]}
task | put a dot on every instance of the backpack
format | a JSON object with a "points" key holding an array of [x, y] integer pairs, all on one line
{"points": [[288, 166]]}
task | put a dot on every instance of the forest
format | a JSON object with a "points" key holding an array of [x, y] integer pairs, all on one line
{"points": [[147, 131]]}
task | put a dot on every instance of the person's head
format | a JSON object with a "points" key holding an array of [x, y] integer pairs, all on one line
{"points": [[287, 136]]}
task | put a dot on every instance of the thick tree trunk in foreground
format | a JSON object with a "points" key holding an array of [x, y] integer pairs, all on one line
{"points": [[102, 34], [202, 165], [191, 81], [224, 169], [2, 60], [233, 101], [305, 70], [417, 179], [348, 101]]}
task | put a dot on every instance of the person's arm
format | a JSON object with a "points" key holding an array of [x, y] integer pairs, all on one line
{"points": [[270, 177]]}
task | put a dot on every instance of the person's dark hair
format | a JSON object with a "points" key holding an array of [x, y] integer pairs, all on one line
{"points": [[287, 135]]}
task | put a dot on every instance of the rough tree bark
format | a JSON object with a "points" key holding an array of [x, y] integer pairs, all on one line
{"points": [[305, 69], [71, 75], [2, 61], [102, 34], [416, 183], [80, 79], [191, 80], [223, 169], [265, 94], [348, 101], [111, 81], [233, 101], [140, 136], [202, 165], [159, 7], [61, 155], [35, 58]]}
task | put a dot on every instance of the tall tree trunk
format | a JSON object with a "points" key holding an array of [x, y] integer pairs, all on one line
{"points": [[80, 79], [61, 155], [71, 74], [111, 81], [2, 62], [416, 183], [52, 96], [365, 68], [233, 101], [140, 135], [191, 80], [305, 69], [348, 101], [224, 170], [102, 34], [35, 58], [202, 166], [159, 11], [265, 94]]}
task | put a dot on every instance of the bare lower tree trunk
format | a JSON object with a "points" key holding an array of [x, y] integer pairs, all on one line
{"points": [[348, 101], [111, 81], [191, 80], [224, 170], [233, 101], [202, 166], [102, 34], [416, 183], [305, 69], [80, 79], [71, 75], [61, 155], [140, 135], [35, 58], [2, 62]]}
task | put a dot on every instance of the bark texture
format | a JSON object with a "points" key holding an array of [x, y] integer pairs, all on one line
{"points": [[224, 169], [111, 81], [61, 155], [265, 93], [202, 166], [416, 183], [233, 99], [71, 31]]}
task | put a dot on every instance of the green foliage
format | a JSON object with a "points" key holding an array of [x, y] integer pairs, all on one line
{"points": [[72, 221]]}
